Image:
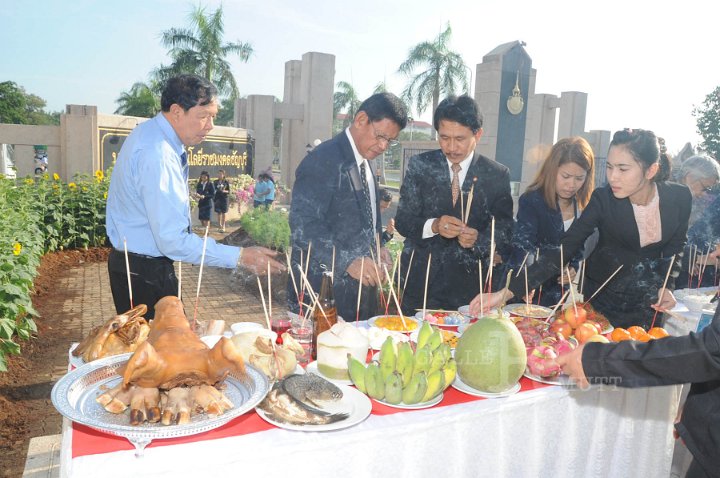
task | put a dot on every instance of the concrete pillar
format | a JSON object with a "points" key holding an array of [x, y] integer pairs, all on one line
{"points": [[600, 142], [573, 106], [240, 113], [317, 84], [539, 135], [259, 123], [292, 146], [79, 149]]}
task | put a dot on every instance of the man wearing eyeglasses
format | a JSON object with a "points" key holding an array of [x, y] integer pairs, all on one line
{"points": [[335, 211], [447, 201]]}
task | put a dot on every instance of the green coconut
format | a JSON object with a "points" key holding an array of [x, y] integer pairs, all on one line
{"points": [[491, 355]]}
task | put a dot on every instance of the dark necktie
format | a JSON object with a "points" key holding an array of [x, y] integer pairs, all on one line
{"points": [[455, 183], [366, 189]]}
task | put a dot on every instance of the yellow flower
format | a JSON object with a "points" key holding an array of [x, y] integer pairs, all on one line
{"points": [[99, 175], [56, 176], [17, 248], [56, 187], [84, 189], [29, 181], [105, 195], [72, 186]]}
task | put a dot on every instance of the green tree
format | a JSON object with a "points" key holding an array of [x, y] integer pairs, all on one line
{"points": [[708, 123], [200, 50], [19, 107], [443, 72], [226, 114], [345, 99], [140, 100]]}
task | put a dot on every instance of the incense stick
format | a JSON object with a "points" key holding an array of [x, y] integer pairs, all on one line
{"points": [[180, 280], [407, 274], [582, 275], [492, 255], [332, 268], [469, 202], [202, 263], [704, 265], [357, 312], [604, 283], [397, 303], [480, 276], [522, 263], [572, 293], [462, 205], [562, 266], [562, 299], [527, 289], [667, 276], [127, 270], [427, 276]]}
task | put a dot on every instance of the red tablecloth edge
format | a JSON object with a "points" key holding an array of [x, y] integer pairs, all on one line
{"points": [[89, 441]]}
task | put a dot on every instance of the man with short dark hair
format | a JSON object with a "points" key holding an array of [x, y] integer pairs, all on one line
{"points": [[148, 206], [434, 194], [335, 206]]}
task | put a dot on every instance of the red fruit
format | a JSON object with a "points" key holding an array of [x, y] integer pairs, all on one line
{"points": [[595, 324], [584, 332], [575, 318], [560, 326]]}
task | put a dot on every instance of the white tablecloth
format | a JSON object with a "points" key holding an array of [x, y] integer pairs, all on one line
{"points": [[547, 432]]}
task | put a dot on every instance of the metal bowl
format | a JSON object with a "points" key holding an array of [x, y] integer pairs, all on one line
{"points": [[74, 397]]}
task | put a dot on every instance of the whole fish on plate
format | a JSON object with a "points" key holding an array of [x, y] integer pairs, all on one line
{"points": [[298, 400]]}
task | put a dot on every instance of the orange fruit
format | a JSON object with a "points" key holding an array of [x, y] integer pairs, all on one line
{"points": [[620, 334], [638, 333], [658, 333]]}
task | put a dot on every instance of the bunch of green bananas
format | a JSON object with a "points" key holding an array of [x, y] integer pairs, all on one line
{"points": [[401, 375]]}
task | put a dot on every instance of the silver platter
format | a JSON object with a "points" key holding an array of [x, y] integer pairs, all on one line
{"points": [[74, 397]]}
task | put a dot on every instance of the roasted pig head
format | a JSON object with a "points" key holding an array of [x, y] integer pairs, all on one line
{"points": [[174, 356], [121, 334]]}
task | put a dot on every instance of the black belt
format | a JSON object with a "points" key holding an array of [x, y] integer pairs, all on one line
{"points": [[143, 256]]}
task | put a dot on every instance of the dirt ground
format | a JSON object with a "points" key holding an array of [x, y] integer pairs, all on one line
{"points": [[25, 407]]}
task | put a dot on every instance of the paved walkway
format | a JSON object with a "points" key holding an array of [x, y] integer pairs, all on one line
{"points": [[87, 299]]}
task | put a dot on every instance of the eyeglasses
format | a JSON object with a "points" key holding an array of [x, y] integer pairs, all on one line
{"points": [[381, 137]]}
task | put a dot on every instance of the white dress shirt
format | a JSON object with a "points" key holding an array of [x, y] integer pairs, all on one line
{"points": [[368, 175]]}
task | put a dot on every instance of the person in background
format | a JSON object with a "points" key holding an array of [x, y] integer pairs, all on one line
{"points": [[429, 213], [701, 175], [389, 230], [261, 190], [642, 222], [148, 204], [335, 210], [222, 190], [270, 195], [205, 192], [549, 206], [693, 358]]}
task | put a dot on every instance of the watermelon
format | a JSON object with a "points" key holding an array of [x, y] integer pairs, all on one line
{"points": [[491, 355]]}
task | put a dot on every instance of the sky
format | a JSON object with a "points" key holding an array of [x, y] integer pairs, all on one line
{"points": [[642, 67]]}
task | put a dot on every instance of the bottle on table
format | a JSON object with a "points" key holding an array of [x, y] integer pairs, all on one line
{"points": [[325, 313]]}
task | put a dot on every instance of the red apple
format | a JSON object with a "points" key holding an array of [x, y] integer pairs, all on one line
{"points": [[594, 324], [584, 332], [575, 318]]}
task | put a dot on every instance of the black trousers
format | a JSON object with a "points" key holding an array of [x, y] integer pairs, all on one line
{"points": [[152, 279]]}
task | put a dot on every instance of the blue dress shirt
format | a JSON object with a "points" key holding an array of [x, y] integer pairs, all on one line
{"points": [[148, 203]]}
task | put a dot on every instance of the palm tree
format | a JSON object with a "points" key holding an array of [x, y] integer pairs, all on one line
{"points": [[200, 50], [138, 101], [444, 72], [345, 98]]}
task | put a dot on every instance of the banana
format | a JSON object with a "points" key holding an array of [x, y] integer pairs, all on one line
{"points": [[404, 363], [437, 362], [435, 340], [387, 358], [424, 334], [450, 371], [435, 385], [445, 350], [356, 369], [374, 384], [415, 389], [393, 388], [421, 363]]}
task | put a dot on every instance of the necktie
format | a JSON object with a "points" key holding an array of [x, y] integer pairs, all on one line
{"points": [[366, 190], [455, 183], [186, 176]]}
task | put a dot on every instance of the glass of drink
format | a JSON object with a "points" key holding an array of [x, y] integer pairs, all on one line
{"points": [[280, 325], [302, 331]]}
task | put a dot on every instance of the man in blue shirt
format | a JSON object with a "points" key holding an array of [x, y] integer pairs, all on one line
{"points": [[148, 206]]}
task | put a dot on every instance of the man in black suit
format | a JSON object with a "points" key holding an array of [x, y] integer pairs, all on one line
{"points": [[335, 204], [434, 194]]}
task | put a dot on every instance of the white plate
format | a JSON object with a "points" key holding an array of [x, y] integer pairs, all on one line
{"points": [[537, 311], [462, 319], [355, 403], [559, 380], [312, 367], [415, 406], [458, 384], [371, 322], [465, 310]]}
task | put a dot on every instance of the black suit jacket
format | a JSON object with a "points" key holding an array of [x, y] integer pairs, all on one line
{"points": [[426, 193], [693, 358], [328, 210], [627, 297]]}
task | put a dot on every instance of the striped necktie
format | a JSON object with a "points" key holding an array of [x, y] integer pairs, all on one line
{"points": [[366, 190], [455, 187]]}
